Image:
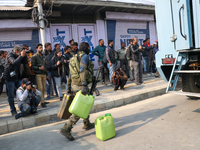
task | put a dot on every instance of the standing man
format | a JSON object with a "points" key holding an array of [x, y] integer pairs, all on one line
{"points": [[134, 54], [123, 60], [12, 74], [38, 64], [71, 42], [56, 46], [1, 66], [49, 55], [74, 49], [145, 53], [110, 57], [3, 60], [99, 51], [81, 83], [130, 64]]}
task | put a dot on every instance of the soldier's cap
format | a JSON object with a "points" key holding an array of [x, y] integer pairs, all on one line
{"points": [[26, 81]]}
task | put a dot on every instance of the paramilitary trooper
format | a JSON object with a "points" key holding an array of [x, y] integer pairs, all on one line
{"points": [[81, 71]]}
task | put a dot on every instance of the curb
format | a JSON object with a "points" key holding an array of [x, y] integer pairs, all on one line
{"points": [[51, 116]]}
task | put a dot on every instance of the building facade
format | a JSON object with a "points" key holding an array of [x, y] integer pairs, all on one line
{"points": [[80, 21]]}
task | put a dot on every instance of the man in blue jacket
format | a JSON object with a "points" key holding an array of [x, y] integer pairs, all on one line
{"points": [[99, 51]]}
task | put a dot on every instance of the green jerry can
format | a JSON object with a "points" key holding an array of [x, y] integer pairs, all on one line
{"points": [[105, 127], [81, 105]]}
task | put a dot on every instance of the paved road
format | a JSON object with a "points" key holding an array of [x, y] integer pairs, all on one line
{"points": [[168, 122]]}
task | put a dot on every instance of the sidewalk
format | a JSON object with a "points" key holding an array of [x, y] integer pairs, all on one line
{"points": [[108, 99]]}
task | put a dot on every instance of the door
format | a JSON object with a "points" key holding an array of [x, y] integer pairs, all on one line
{"points": [[182, 24], [164, 25]]}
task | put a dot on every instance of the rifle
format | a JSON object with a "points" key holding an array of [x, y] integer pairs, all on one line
{"points": [[94, 84]]}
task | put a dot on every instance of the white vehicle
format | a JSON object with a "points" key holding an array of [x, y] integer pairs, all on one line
{"points": [[178, 27]]}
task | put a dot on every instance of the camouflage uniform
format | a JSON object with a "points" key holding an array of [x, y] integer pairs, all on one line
{"points": [[77, 84]]}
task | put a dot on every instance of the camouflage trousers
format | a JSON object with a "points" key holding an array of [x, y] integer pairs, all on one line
{"points": [[73, 118]]}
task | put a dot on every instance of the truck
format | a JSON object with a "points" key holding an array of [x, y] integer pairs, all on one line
{"points": [[178, 30]]}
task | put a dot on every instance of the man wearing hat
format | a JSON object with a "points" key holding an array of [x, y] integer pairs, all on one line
{"points": [[28, 98]]}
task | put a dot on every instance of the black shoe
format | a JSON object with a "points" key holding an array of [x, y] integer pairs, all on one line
{"points": [[122, 88], [157, 76], [35, 112], [43, 105], [141, 82], [61, 98], [14, 113], [17, 116], [115, 89], [46, 102]]}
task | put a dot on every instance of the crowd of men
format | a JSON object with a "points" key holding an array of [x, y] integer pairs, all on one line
{"points": [[28, 76]]}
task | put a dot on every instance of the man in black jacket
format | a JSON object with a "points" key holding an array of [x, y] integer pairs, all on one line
{"points": [[12, 74], [110, 57], [49, 55], [134, 54]]}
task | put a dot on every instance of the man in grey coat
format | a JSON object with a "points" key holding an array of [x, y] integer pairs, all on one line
{"points": [[134, 54]]}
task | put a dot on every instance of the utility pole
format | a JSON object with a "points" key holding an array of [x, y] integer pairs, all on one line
{"points": [[41, 23]]}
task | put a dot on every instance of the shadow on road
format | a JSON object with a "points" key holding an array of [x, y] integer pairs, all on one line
{"points": [[144, 117]]}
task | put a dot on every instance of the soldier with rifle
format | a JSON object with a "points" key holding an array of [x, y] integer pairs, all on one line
{"points": [[81, 72]]}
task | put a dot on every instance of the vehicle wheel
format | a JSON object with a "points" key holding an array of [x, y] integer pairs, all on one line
{"points": [[191, 83]]}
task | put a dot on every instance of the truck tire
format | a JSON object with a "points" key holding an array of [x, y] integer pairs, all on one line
{"points": [[190, 84]]}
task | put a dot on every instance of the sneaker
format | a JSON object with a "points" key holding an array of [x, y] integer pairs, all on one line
{"points": [[138, 83], [48, 97], [148, 74], [43, 105], [14, 113]]}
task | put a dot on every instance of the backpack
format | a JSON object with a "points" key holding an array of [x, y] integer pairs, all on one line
{"points": [[74, 66]]}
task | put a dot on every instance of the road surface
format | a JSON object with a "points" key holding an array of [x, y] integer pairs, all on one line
{"points": [[168, 122]]}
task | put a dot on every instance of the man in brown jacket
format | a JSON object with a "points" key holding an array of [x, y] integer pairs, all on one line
{"points": [[119, 79]]}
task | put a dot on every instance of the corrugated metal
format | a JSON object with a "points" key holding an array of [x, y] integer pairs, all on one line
{"points": [[12, 2], [14, 8]]}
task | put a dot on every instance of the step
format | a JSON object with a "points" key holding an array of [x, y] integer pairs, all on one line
{"points": [[187, 71], [185, 93]]}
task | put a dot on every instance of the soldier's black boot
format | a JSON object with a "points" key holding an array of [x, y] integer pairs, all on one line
{"points": [[66, 131], [87, 124]]}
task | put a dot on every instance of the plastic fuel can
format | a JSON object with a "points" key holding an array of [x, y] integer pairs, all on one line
{"points": [[105, 127], [81, 105]]}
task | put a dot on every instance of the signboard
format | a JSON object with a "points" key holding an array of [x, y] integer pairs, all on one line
{"points": [[123, 31], [60, 34], [10, 39], [87, 34]]}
